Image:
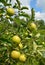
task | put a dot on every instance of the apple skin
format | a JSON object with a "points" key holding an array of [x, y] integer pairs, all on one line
{"points": [[22, 58], [10, 11], [16, 39], [15, 54], [32, 26]]}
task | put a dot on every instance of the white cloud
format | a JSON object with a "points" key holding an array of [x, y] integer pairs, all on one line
{"points": [[25, 2], [41, 3], [39, 15]]}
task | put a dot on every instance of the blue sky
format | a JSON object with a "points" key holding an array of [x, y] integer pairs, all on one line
{"points": [[33, 5]]}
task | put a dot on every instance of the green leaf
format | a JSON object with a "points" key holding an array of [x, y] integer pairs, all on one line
{"points": [[15, 6], [3, 1], [17, 21], [24, 8], [18, 2], [8, 4], [24, 14], [3, 49]]}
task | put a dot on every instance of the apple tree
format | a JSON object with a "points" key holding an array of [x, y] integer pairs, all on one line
{"points": [[21, 40]]}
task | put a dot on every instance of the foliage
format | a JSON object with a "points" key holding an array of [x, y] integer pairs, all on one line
{"points": [[32, 14], [33, 41]]}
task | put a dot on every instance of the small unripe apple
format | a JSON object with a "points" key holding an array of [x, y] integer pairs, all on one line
{"points": [[7, 16], [32, 26], [15, 54], [16, 39], [22, 58], [26, 33], [20, 46], [10, 11]]}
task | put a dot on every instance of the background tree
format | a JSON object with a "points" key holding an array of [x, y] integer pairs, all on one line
{"points": [[41, 24]]}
